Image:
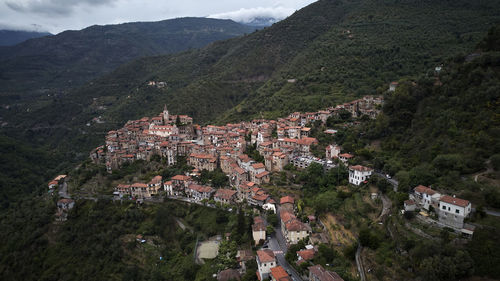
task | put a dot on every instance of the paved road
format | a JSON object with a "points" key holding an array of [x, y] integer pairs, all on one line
{"points": [[386, 209], [277, 244], [63, 191], [391, 181], [489, 212]]}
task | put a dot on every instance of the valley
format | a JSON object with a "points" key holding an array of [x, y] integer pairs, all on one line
{"points": [[353, 140]]}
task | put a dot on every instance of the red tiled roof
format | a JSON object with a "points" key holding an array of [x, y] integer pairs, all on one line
{"points": [[409, 202], [455, 201], [261, 175], [425, 189], [261, 197], [324, 275], [258, 219], [360, 168], [225, 194], [239, 170], [258, 166], [155, 180], [286, 216], [279, 273], [181, 178], [53, 182], [228, 274], [259, 226], [296, 225], [200, 188], [287, 199], [265, 255], [346, 155], [306, 254], [307, 141]]}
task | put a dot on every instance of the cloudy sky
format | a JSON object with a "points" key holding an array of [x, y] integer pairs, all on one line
{"points": [[59, 15]]}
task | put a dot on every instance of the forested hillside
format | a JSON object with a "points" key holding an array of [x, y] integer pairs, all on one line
{"points": [[440, 128], [328, 52], [25, 171], [71, 58]]}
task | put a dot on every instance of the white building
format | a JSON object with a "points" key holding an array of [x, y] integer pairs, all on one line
{"points": [[345, 157], [410, 205], [265, 261], [358, 174], [452, 211], [269, 207], [426, 196], [332, 151], [393, 86]]}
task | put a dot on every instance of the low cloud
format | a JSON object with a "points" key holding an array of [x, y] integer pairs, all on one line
{"points": [[248, 15], [51, 7], [23, 27]]}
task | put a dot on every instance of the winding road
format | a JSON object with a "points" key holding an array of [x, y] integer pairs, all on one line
{"points": [[386, 209]]}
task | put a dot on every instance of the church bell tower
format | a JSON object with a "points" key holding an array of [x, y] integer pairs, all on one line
{"points": [[165, 115]]}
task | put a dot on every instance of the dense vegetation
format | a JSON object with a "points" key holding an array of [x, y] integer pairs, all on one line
{"points": [[434, 134], [98, 242], [436, 129], [335, 51], [25, 171], [72, 57]]}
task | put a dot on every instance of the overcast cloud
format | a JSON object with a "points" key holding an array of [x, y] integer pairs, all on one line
{"points": [[59, 15]]}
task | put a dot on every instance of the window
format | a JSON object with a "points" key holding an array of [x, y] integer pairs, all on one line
{"points": [[457, 211], [444, 207]]}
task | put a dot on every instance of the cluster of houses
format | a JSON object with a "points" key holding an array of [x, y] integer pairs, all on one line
{"points": [[292, 228], [170, 136], [53, 184], [208, 148], [267, 268], [140, 190], [451, 210]]}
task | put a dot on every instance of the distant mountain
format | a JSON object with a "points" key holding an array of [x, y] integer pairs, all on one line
{"points": [[13, 37], [73, 57], [326, 53], [261, 21]]}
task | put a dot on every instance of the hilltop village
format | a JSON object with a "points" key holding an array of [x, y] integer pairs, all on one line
{"points": [[276, 146], [279, 142]]}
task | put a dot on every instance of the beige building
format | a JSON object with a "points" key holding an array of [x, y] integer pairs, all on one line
{"points": [[258, 230], [203, 161], [293, 229]]}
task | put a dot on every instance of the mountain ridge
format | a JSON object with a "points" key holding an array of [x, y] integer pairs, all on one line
{"points": [[14, 37], [324, 54], [71, 58]]}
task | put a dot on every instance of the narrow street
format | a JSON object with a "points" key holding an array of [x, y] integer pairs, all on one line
{"points": [[277, 244]]}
